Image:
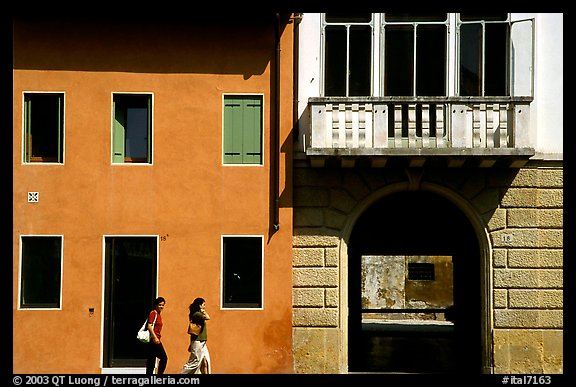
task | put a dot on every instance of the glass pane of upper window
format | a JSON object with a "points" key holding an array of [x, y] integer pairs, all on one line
{"points": [[415, 17], [415, 56], [399, 60], [431, 60], [348, 17], [43, 127], [470, 60], [41, 272], [360, 61], [484, 58], [483, 16], [496, 60], [136, 132], [348, 55], [335, 61]]}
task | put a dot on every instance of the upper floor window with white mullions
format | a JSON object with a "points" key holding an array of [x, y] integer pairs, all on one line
{"points": [[484, 53], [415, 54], [347, 54]]}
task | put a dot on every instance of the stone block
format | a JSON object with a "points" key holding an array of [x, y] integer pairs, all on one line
{"points": [[332, 257], [311, 197], [308, 257], [524, 318], [307, 297], [533, 198], [499, 257], [315, 317], [315, 277], [535, 258], [527, 238], [528, 278], [308, 217], [541, 218], [316, 350], [500, 298], [532, 177], [520, 351], [535, 298]]}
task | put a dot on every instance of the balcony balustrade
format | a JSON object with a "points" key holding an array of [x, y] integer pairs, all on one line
{"points": [[457, 129]]}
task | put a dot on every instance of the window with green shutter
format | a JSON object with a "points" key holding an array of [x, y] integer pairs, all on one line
{"points": [[43, 127], [243, 129], [132, 129]]}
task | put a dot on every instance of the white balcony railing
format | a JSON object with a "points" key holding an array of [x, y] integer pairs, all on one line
{"points": [[431, 125]]}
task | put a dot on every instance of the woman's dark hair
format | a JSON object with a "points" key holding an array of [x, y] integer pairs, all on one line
{"points": [[158, 300], [195, 306]]}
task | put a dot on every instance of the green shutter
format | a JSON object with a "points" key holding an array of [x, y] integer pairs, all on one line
{"points": [[118, 133], [232, 130], [27, 128], [243, 130], [252, 130]]}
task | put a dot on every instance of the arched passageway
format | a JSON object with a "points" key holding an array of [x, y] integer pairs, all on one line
{"points": [[432, 328]]}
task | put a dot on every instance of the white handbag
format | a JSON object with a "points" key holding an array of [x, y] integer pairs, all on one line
{"points": [[144, 334]]}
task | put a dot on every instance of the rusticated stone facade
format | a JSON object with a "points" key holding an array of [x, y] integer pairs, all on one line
{"points": [[519, 214]]}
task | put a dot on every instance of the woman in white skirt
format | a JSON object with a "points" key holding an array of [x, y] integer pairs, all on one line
{"points": [[199, 361]]}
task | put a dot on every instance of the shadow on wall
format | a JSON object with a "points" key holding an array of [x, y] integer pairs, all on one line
{"points": [[198, 45]]}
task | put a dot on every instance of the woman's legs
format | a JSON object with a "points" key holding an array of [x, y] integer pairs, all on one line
{"points": [[156, 351], [161, 354], [205, 364], [150, 358]]}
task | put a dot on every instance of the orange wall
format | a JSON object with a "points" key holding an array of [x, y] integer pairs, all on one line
{"points": [[187, 194]]}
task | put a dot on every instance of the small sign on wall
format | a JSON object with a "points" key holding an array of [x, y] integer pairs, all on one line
{"points": [[33, 197]]}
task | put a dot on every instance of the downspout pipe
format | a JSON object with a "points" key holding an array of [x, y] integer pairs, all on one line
{"points": [[276, 123]]}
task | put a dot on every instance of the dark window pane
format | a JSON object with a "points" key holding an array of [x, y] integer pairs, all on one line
{"points": [[242, 268], [44, 127], [360, 60], [484, 16], [431, 60], [348, 17], [132, 112], [335, 62], [41, 262], [415, 17], [496, 60], [471, 60], [399, 63], [136, 132]]}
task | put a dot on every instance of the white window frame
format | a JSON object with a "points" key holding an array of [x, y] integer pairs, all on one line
{"points": [[222, 279], [20, 270], [152, 134]]}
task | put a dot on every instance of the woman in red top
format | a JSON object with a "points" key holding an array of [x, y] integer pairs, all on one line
{"points": [[155, 347]]}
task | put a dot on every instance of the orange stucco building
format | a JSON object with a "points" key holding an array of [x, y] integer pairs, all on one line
{"points": [[176, 215]]}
